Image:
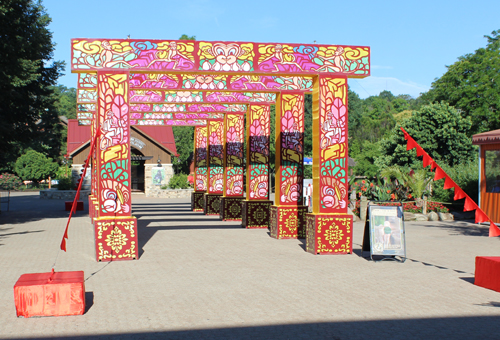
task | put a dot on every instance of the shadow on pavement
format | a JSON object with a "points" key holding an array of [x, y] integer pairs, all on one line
{"points": [[460, 228], [477, 327]]}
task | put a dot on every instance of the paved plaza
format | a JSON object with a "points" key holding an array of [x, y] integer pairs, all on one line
{"points": [[200, 278]]}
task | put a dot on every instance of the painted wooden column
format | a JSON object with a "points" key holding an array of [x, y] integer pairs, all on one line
{"points": [[329, 227], [234, 124], [215, 166], [200, 168], [256, 205], [288, 214], [115, 228]]}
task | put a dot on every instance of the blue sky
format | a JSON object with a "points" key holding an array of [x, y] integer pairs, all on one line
{"points": [[411, 41]]}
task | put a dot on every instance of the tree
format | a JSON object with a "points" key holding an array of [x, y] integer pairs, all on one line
{"points": [[439, 129], [184, 143], [472, 85], [34, 166], [66, 101], [27, 114]]}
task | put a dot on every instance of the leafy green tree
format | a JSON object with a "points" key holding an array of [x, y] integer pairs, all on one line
{"points": [[472, 85], [439, 129], [27, 113], [184, 143], [35, 166], [66, 101]]}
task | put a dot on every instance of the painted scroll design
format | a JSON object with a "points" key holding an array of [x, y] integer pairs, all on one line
{"points": [[258, 163], [114, 148], [291, 149], [215, 157], [333, 145], [234, 154], [217, 57], [200, 143]]}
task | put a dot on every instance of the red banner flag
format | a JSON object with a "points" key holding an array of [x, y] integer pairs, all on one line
{"points": [[469, 204], [459, 193], [411, 144], [439, 174], [448, 183], [481, 216], [494, 231]]}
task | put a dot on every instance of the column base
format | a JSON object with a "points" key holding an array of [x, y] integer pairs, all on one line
{"points": [[93, 208], [116, 238], [230, 208], [212, 204], [288, 221], [255, 214], [329, 233], [197, 200]]}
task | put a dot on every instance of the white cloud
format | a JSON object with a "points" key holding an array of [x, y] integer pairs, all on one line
{"points": [[372, 86]]}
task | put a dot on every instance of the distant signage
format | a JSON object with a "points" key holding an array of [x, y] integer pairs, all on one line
{"points": [[385, 231], [139, 144]]}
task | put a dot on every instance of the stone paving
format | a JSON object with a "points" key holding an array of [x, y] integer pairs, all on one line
{"points": [[200, 278]]}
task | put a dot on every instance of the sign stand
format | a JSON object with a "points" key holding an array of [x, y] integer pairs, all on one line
{"points": [[384, 235]]}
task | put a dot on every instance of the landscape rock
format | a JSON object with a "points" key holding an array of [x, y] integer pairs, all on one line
{"points": [[445, 216], [421, 217], [433, 216], [409, 216]]}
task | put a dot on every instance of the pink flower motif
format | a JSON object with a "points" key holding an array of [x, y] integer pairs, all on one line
{"points": [[287, 122], [255, 128], [213, 139], [231, 134]]}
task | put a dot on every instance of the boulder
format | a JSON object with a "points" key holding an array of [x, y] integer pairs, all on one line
{"points": [[409, 216], [421, 217], [445, 216], [433, 216]]}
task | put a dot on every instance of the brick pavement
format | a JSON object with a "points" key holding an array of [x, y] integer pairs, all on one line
{"points": [[199, 278]]}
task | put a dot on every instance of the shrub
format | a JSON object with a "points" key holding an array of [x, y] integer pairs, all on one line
{"points": [[34, 166], [178, 181], [65, 183], [10, 182], [466, 177]]}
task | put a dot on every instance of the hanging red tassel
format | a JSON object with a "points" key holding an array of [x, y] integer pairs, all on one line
{"points": [[411, 144], [469, 204], [420, 151], [494, 231], [459, 193], [439, 174], [427, 160], [63, 244], [448, 183], [481, 216]]}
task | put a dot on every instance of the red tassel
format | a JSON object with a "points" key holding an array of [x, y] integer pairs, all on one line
{"points": [[411, 144], [469, 204], [63, 244], [448, 183], [494, 231], [420, 151], [481, 216], [439, 174], [427, 160], [459, 193]]}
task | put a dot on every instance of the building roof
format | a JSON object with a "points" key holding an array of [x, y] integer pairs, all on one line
{"points": [[79, 136], [490, 137]]}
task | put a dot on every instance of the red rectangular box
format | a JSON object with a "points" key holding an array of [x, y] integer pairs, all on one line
{"points": [[69, 204], [488, 272], [44, 294]]}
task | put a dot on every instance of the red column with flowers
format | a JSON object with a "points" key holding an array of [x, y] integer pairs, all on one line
{"points": [[287, 216], [200, 168], [329, 227], [215, 173]]}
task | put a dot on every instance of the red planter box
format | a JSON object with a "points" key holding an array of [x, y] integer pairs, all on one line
{"points": [[69, 204], [44, 294], [488, 272]]}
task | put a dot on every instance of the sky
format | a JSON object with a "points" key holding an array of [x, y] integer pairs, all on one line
{"points": [[411, 42]]}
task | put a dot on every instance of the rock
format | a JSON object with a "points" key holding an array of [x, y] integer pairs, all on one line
{"points": [[433, 216], [421, 217], [409, 216], [445, 216]]}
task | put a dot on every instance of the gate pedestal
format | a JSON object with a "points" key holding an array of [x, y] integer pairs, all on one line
{"points": [[255, 214], [116, 238], [212, 204], [329, 233], [288, 221], [197, 200], [230, 209]]}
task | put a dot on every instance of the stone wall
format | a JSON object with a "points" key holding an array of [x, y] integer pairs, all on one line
{"points": [[170, 193], [67, 195], [149, 187]]}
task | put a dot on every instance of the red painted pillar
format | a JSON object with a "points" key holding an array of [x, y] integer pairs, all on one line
{"points": [[329, 227], [115, 228], [256, 206], [288, 214], [215, 167], [200, 168], [234, 124]]}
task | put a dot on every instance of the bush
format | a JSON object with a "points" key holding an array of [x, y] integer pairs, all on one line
{"points": [[465, 175], [10, 182], [65, 183], [34, 166], [178, 181]]}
